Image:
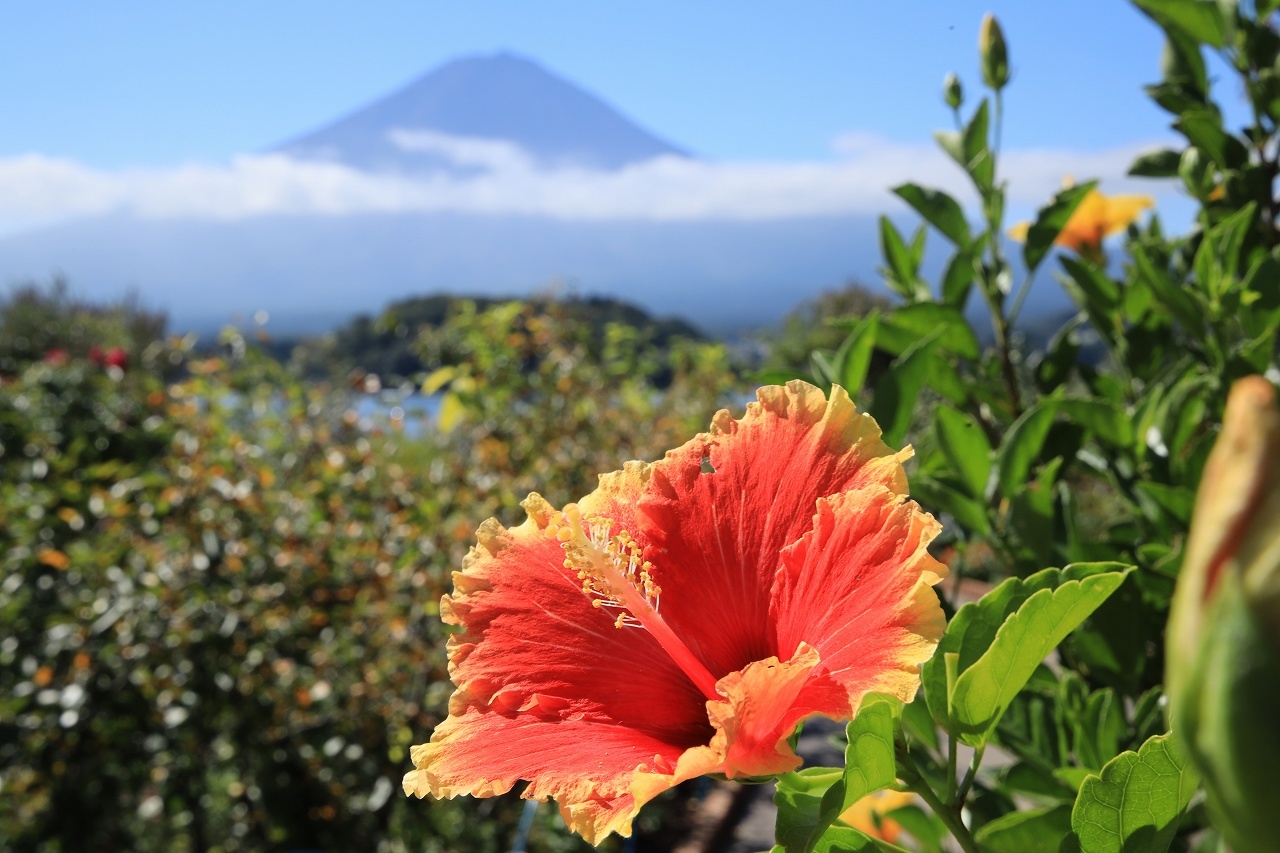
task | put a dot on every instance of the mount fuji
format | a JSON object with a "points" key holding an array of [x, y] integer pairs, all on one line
{"points": [[312, 265]]}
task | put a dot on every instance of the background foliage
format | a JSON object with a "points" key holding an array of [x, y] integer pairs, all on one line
{"points": [[1088, 451], [220, 593]]}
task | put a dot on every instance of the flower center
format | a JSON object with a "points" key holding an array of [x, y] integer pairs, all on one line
{"points": [[616, 577]]}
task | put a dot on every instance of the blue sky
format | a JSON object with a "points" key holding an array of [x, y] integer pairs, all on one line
{"points": [[152, 83], [803, 109]]}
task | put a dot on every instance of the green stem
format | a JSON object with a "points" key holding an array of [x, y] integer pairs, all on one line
{"points": [[972, 773], [991, 289], [1021, 297], [951, 769], [950, 816]]}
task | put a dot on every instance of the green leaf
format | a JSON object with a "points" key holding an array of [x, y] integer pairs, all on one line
{"points": [[779, 376], [1099, 726], [1021, 446], [957, 279], [939, 210], [1029, 831], [1049, 222], [1104, 419], [854, 357], [1175, 500], [979, 163], [846, 839], [903, 327], [1217, 261], [1031, 514], [1200, 20], [966, 448], [1060, 358], [1178, 301], [969, 147], [1162, 163], [902, 273], [823, 364], [993, 646], [799, 799], [938, 495], [1097, 286], [1203, 128], [898, 389], [868, 760], [1135, 804]]}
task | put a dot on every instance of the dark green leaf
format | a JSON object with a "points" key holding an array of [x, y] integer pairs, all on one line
{"points": [[1203, 127], [939, 496], [854, 357], [1028, 831], [939, 210], [1049, 222], [904, 327], [1104, 419], [966, 448], [1162, 163], [957, 279], [902, 273], [1021, 446], [1177, 300], [1200, 20], [1097, 286], [898, 389], [978, 160]]}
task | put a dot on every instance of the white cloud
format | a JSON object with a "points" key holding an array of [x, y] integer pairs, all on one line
{"points": [[39, 189], [492, 154]]}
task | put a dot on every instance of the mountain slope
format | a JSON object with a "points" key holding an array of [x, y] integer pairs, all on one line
{"points": [[499, 97]]}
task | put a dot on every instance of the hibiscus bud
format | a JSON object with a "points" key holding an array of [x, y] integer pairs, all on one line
{"points": [[1223, 661], [951, 91], [993, 53]]}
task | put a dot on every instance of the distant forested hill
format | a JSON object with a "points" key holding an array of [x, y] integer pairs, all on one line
{"points": [[385, 344]]}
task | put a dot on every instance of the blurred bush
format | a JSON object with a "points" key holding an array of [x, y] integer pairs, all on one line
{"points": [[220, 594]]}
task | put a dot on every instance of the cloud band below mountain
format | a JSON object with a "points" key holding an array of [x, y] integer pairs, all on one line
{"points": [[40, 189]]}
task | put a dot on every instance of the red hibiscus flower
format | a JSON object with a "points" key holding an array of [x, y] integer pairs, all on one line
{"points": [[685, 616]]}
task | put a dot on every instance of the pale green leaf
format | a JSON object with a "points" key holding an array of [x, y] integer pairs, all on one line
{"points": [[1061, 600], [868, 759], [996, 643], [1135, 804]]}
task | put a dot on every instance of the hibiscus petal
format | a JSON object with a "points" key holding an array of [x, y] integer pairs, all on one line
{"points": [[531, 636], [716, 537], [753, 722], [586, 766], [858, 588], [548, 689]]}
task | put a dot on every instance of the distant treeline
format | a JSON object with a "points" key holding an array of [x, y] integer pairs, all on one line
{"points": [[385, 344]]}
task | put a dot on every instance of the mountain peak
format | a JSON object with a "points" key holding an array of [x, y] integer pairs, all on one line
{"points": [[500, 97]]}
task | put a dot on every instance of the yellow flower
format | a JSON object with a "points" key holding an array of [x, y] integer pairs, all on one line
{"points": [[868, 814], [1096, 217]]}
